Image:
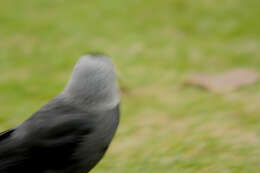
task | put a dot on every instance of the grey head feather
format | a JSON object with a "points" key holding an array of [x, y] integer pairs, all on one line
{"points": [[92, 84]]}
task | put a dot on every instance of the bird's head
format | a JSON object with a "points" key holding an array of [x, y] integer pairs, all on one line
{"points": [[93, 82]]}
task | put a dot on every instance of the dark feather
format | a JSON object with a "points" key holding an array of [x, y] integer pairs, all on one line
{"points": [[50, 140], [6, 134]]}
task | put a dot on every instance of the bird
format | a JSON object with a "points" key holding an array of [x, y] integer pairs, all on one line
{"points": [[72, 132]]}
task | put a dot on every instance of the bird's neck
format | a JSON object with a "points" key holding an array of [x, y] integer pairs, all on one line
{"points": [[92, 94]]}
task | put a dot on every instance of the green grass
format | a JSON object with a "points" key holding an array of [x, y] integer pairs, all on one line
{"points": [[165, 127]]}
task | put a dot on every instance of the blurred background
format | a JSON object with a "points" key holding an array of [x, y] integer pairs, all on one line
{"points": [[165, 126]]}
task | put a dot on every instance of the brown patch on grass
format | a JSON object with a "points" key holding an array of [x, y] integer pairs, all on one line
{"points": [[17, 74], [162, 94], [224, 82], [150, 123], [230, 134], [25, 42]]}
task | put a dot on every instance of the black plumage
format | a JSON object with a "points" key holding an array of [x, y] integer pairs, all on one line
{"points": [[73, 131]]}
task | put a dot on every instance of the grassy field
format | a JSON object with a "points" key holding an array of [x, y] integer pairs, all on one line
{"points": [[165, 127]]}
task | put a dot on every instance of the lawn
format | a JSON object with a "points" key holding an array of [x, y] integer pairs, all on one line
{"points": [[165, 126]]}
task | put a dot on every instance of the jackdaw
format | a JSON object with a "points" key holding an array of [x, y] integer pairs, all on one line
{"points": [[71, 133]]}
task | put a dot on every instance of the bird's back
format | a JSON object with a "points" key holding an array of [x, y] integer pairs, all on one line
{"points": [[62, 139]]}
